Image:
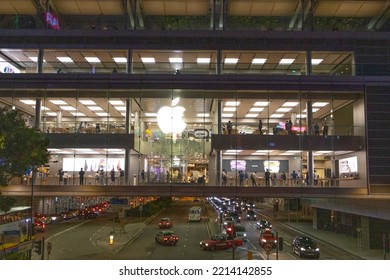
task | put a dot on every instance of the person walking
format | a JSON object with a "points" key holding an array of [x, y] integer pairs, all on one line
{"points": [[224, 178], [81, 176], [121, 176], [241, 176], [267, 176], [325, 129], [61, 176], [101, 177], [294, 177], [316, 129], [229, 127], [253, 179], [112, 175], [260, 127]]}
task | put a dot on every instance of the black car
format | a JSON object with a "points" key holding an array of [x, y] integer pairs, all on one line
{"points": [[304, 246], [263, 224], [86, 214], [166, 237], [251, 215]]}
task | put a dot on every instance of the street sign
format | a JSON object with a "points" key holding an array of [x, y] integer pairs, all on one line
{"points": [[119, 201], [267, 247]]}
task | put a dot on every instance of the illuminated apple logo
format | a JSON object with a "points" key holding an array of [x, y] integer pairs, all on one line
{"points": [[170, 119]]}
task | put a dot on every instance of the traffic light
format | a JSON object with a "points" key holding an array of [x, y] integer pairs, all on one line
{"points": [[38, 246], [230, 231], [280, 244]]}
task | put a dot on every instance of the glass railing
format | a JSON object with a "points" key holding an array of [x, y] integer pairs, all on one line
{"points": [[82, 127]]}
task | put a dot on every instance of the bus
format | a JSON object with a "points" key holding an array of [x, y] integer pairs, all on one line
{"points": [[195, 214], [15, 227]]}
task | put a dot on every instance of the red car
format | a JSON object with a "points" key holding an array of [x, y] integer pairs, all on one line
{"points": [[268, 236], [165, 223], [220, 242], [167, 237]]}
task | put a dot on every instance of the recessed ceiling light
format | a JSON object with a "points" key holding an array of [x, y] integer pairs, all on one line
{"points": [[229, 109], [148, 60], [316, 61], [231, 60], [284, 109], [92, 59], [95, 108], [256, 109], [28, 101], [227, 115], [251, 115], [120, 59], [120, 108], [116, 102], [52, 114], [103, 114], [65, 59], [43, 108], [290, 104], [261, 103], [175, 60], [77, 114], [276, 115], [35, 58], [259, 60], [87, 102], [320, 104], [68, 108], [313, 110], [286, 61], [203, 60], [58, 102], [301, 116], [150, 114], [203, 115], [232, 103]]}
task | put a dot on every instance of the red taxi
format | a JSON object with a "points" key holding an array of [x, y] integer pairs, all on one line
{"points": [[220, 242], [165, 223], [268, 236]]}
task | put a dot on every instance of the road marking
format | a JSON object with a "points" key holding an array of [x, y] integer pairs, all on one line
{"points": [[68, 229]]}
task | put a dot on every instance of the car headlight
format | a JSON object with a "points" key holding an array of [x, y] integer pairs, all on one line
{"points": [[302, 249], [244, 234], [317, 249], [207, 244]]}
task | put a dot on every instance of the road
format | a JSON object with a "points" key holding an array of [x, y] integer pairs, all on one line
{"points": [[79, 240]]}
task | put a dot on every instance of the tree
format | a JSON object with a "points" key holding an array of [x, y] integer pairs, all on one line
{"points": [[21, 147], [6, 203]]}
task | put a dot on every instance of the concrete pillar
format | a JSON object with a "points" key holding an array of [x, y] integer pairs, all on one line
{"points": [[40, 61], [38, 105], [219, 62], [129, 64]]}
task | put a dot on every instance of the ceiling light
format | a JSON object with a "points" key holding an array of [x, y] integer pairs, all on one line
{"points": [[28, 101], [148, 60], [120, 108], [232, 103], [233, 151], [286, 61], [293, 151], [116, 102], [95, 108], [65, 59], [256, 109], [231, 60], [58, 102], [103, 114], [261, 103], [92, 59], [313, 110], [77, 114], [68, 108], [227, 115], [290, 104], [229, 109], [203, 60], [259, 60], [276, 115], [52, 114], [251, 115], [175, 60], [150, 114], [320, 104], [120, 59], [2, 59], [35, 58], [258, 154], [316, 61], [284, 109], [301, 116], [43, 108], [87, 102], [203, 115]]}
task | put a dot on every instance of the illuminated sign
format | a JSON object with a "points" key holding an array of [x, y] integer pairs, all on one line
{"points": [[52, 21]]}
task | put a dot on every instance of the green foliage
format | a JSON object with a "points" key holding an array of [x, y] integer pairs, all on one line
{"points": [[6, 203], [20, 146]]}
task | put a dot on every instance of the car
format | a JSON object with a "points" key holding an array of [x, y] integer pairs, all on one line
{"points": [[250, 205], [220, 242], [55, 218], [251, 215], [43, 218], [67, 215], [268, 236], [87, 214], [236, 216], [240, 232], [228, 221], [263, 224], [166, 237], [305, 246], [39, 226], [165, 223]]}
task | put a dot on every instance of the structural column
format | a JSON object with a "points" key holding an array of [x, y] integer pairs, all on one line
{"points": [[218, 152], [129, 64], [310, 158], [40, 61], [219, 62], [308, 63]]}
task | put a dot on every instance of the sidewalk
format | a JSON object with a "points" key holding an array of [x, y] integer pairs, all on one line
{"points": [[345, 243]]}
